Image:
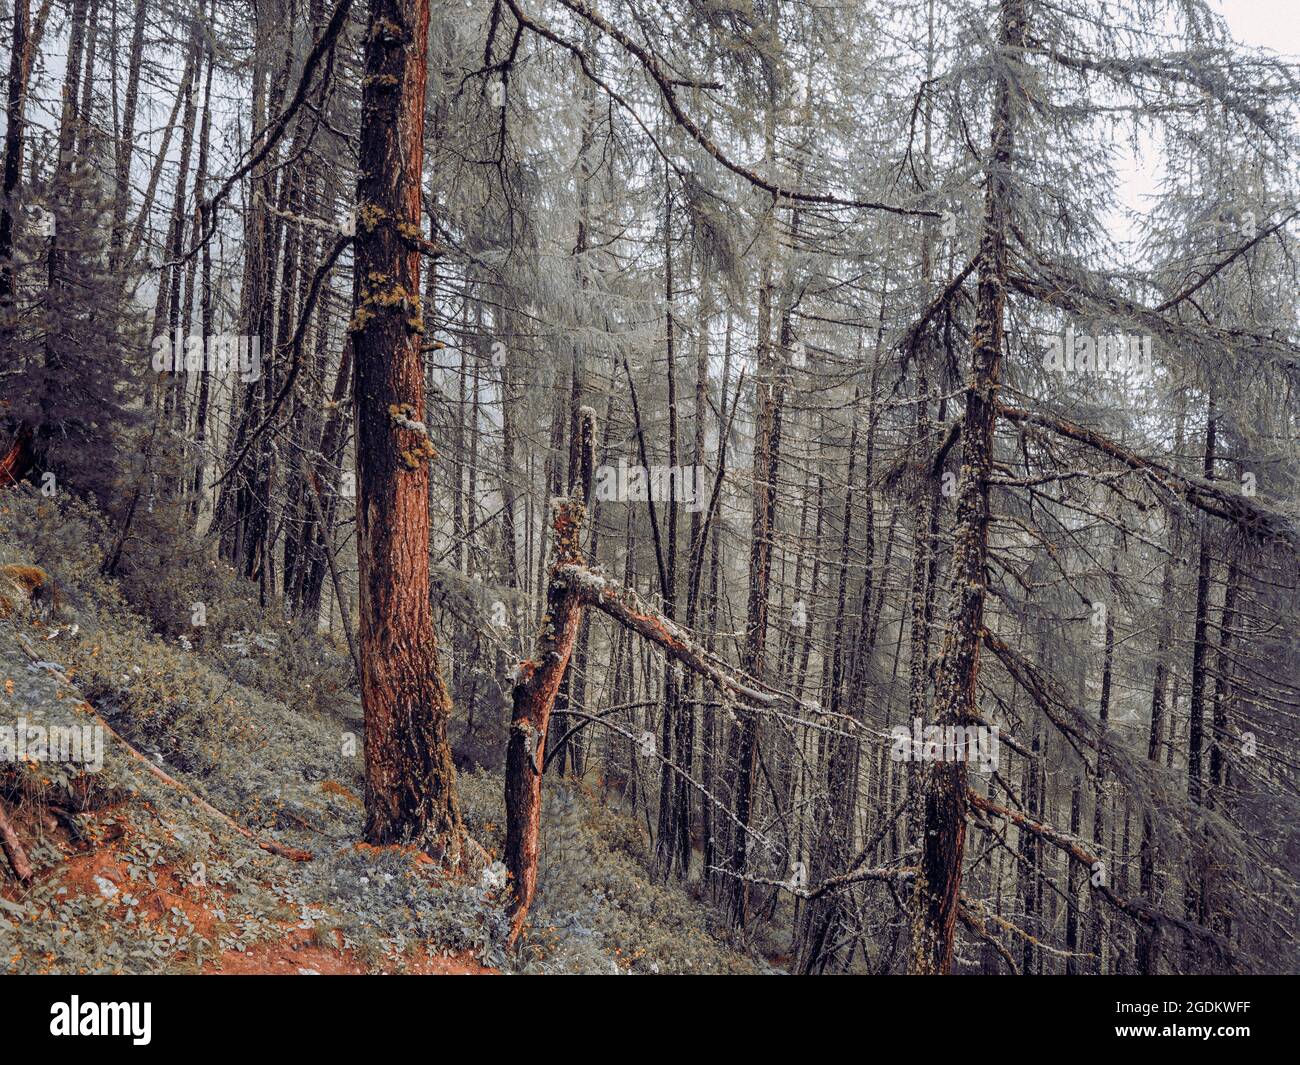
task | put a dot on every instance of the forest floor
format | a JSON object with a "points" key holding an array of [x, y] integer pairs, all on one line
{"points": [[133, 875], [297, 954]]}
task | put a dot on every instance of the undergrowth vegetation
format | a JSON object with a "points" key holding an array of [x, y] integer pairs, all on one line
{"points": [[259, 718]]}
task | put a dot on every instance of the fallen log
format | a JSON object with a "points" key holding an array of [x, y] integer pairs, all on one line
{"points": [[13, 848]]}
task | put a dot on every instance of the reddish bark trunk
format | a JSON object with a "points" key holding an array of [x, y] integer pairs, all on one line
{"points": [[17, 462], [410, 780], [539, 683]]}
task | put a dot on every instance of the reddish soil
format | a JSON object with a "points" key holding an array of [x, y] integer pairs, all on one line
{"points": [[97, 859], [297, 952]]}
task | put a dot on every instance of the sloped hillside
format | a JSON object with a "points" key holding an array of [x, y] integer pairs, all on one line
{"points": [[220, 833]]}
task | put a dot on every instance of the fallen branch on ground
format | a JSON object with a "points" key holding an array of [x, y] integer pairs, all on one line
{"points": [[292, 853], [13, 849]]}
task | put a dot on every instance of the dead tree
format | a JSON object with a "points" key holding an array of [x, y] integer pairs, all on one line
{"points": [[571, 587], [539, 683], [935, 900]]}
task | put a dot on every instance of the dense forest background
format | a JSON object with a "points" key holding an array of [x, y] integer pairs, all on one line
{"points": [[682, 397]]}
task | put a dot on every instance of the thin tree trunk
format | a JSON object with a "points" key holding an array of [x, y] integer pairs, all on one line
{"points": [[126, 141], [1147, 949], [20, 65], [1194, 893]]}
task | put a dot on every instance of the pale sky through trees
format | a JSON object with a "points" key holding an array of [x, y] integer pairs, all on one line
{"points": [[1270, 24]]}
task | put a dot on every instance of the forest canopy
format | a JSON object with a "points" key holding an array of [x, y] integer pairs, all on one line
{"points": [[854, 447]]}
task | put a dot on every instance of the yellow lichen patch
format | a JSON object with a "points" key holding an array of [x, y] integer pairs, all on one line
{"points": [[393, 296], [383, 292], [370, 215], [420, 453]]}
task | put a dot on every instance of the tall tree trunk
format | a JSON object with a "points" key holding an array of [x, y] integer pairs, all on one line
{"points": [[20, 65], [17, 458], [831, 848], [167, 312], [1147, 948], [85, 112], [126, 142], [55, 280], [672, 741], [708, 767], [768, 391], [1220, 706], [1072, 887], [205, 286], [410, 779], [1194, 900], [1098, 923], [935, 898], [1200, 643]]}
